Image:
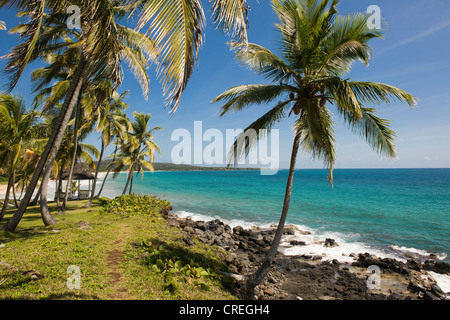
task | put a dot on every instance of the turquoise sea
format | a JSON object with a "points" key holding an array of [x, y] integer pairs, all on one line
{"points": [[389, 211]]}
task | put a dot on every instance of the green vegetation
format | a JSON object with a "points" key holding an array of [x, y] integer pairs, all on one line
{"points": [[116, 246], [84, 65], [309, 79], [163, 166]]}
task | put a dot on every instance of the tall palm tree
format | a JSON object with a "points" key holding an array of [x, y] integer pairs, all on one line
{"points": [[112, 123], [18, 129], [318, 47], [71, 150], [140, 146], [49, 95], [176, 26]]}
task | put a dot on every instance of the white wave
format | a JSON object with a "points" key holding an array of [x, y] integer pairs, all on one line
{"points": [[231, 222], [417, 252], [314, 240], [345, 251], [442, 280]]}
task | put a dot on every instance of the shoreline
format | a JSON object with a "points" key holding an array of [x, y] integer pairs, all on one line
{"points": [[303, 240], [316, 276], [313, 240]]}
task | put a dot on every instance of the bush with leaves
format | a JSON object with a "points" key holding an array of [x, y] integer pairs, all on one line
{"points": [[179, 264], [136, 205]]}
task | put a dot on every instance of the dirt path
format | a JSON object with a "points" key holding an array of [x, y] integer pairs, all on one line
{"points": [[114, 258]]}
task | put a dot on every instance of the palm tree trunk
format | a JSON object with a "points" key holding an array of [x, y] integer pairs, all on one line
{"points": [[21, 191], [128, 180], [106, 176], [89, 204], [5, 202], [53, 143], [59, 186], [131, 183], [74, 158], [14, 189], [36, 198], [47, 217], [261, 273]]}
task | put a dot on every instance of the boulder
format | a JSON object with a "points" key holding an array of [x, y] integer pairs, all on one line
{"points": [[430, 296], [330, 243], [437, 266], [173, 223], [84, 225], [297, 243], [189, 229], [437, 291], [188, 239], [201, 225]]}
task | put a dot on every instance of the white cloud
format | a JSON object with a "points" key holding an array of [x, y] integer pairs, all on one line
{"points": [[417, 37]]}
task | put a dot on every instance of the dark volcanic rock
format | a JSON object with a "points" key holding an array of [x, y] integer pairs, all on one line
{"points": [[386, 264], [306, 277]]}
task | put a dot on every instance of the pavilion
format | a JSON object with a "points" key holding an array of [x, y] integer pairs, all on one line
{"points": [[80, 173]]}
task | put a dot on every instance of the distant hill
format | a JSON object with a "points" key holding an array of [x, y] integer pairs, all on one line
{"points": [[161, 166]]}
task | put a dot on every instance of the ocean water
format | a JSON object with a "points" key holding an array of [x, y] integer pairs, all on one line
{"points": [[388, 212]]}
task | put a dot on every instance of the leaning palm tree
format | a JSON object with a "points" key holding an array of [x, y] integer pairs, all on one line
{"points": [[175, 25], [102, 43], [317, 48]]}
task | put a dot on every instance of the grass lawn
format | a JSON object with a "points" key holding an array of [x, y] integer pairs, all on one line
{"points": [[123, 251]]}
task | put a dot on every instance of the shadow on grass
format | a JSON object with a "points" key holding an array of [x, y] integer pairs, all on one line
{"points": [[31, 224], [174, 260]]}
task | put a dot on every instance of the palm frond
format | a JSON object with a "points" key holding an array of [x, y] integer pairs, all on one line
{"points": [[372, 92], [255, 131], [176, 26], [346, 42], [242, 96], [262, 61], [317, 135], [232, 17], [374, 130], [139, 50], [147, 164], [20, 55]]}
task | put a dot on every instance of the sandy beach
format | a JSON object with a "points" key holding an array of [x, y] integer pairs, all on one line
{"points": [[3, 190], [52, 187]]}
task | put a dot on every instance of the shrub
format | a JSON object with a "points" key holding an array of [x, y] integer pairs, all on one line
{"points": [[176, 263], [136, 205]]}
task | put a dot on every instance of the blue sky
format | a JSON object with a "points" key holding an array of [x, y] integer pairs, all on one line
{"points": [[414, 56]]}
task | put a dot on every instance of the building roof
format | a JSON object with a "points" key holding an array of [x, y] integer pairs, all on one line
{"points": [[79, 173]]}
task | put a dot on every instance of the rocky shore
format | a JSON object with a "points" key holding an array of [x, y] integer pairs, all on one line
{"points": [[314, 277]]}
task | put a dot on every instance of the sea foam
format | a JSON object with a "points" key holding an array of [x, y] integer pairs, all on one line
{"points": [[344, 252]]}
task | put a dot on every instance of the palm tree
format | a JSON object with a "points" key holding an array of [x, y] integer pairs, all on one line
{"points": [[71, 150], [177, 27], [112, 123], [18, 129], [139, 147], [102, 44], [317, 47]]}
